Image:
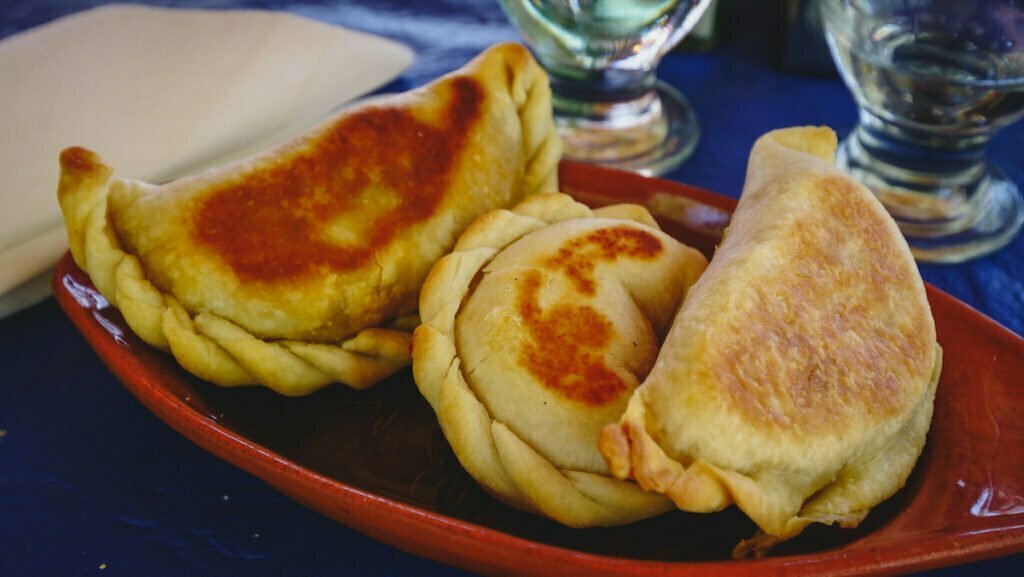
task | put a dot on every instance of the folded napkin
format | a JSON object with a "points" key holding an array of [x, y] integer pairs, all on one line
{"points": [[158, 93]]}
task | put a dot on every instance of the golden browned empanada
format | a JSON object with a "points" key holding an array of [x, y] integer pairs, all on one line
{"points": [[535, 331], [301, 266], [798, 378]]}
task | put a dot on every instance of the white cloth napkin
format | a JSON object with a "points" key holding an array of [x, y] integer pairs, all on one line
{"points": [[158, 93]]}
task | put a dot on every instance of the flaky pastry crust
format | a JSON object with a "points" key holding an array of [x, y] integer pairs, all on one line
{"points": [[301, 266], [535, 330]]}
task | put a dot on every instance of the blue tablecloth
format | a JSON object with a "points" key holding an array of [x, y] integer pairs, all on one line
{"points": [[92, 483]]}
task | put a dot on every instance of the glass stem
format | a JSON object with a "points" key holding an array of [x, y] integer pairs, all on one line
{"points": [[596, 94], [607, 114]]}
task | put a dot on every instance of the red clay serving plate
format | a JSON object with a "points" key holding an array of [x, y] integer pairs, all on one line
{"points": [[377, 461]]}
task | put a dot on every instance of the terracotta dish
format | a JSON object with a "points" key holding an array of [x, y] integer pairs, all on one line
{"points": [[376, 460]]}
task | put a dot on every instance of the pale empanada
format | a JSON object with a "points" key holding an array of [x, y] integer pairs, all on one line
{"points": [[535, 331], [301, 266], [798, 378]]}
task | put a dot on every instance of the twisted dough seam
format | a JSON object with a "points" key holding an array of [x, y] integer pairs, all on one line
{"points": [[542, 147], [502, 462], [207, 345]]}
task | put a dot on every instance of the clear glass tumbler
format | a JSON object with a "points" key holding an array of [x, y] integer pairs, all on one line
{"points": [[601, 56], [933, 81]]}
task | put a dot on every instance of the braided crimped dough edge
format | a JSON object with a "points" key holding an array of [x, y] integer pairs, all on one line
{"points": [[531, 95], [504, 464], [207, 345]]}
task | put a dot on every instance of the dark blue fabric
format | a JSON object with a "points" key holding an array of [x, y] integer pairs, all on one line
{"points": [[92, 483]]}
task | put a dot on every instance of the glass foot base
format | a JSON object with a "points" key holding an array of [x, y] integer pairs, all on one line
{"points": [[997, 221], [652, 143], [938, 229]]}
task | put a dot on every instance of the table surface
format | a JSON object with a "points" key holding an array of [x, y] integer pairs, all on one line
{"points": [[91, 482]]}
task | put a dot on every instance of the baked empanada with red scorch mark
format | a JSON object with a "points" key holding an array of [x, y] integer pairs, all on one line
{"points": [[536, 329], [799, 375], [302, 265]]}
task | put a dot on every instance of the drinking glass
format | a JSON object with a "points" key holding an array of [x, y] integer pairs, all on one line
{"points": [[933, 81], [601, 56]]}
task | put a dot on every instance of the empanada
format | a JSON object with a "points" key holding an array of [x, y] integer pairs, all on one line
{"points": [[301, 266], [799, 375], [535, 331]]}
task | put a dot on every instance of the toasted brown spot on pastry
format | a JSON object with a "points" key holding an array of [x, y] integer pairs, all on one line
{"points": [[566, 347], [271, 228], [580, 256]]}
